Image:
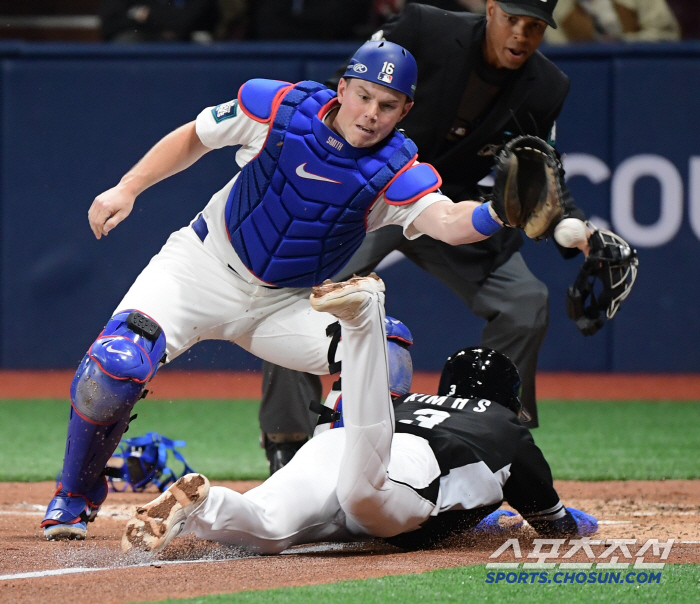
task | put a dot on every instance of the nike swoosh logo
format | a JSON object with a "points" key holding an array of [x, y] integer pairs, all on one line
{"points": [[301, 171], [126, 353]]}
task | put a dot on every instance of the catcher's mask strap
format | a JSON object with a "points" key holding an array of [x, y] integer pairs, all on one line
{"points": [[588, 319], [112, 472]]}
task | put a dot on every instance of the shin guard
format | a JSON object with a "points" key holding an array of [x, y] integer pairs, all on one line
{"points": [[110, 380]]}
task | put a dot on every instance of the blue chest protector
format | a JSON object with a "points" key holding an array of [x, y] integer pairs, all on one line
{"points": [[296, 213]]}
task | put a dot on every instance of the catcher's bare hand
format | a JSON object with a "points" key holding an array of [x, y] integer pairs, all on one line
{"points": [[109, 209]]}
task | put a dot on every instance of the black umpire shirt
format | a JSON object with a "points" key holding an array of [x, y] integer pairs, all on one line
{"points": [[448, 49]]}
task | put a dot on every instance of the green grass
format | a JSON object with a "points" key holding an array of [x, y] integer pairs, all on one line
{"points": [[222, 437], [581, 440], [679, 583], [620, 441]]}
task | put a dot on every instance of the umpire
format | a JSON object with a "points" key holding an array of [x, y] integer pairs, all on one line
{"points": [[481, 82]]}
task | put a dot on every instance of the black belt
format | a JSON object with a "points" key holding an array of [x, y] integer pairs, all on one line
{"points": [[200, 227]]}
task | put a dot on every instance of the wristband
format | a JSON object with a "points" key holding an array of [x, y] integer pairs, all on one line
{"points": [[483, 222]]}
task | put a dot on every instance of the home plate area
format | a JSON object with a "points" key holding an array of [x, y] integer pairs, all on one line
{"points": [[34, 570]]}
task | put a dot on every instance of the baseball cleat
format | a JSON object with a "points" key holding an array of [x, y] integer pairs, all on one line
{"points": [[586, 524], [157, 523], [66, 517], [67, 514], [62, 532], [345, 299], [499, 522]]}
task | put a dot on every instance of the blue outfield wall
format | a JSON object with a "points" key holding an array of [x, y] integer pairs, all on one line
{"points": [[75, 118]]}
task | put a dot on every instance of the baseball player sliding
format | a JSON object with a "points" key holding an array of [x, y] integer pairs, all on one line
{"points": [[413, 470]]}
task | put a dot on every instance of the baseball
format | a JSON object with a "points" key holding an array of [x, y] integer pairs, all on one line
{"points": [[570, 232]]}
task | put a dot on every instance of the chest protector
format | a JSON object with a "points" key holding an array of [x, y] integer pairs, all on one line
{"points": [[296, 214]]}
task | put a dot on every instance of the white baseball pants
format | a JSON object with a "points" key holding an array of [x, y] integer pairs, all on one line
{"points": [[346, 483], [193, 295]]}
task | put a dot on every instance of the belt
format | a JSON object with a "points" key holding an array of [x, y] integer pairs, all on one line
{"points": [[200, 227]]}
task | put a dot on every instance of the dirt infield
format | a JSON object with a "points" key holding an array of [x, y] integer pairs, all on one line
{"points": [[96, 571]]}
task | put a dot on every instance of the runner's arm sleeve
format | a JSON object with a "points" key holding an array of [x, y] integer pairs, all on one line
{"points": [[530, 490]]}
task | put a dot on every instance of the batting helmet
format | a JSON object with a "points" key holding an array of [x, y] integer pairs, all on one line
{"points": [[480, 372], [385, 63]]}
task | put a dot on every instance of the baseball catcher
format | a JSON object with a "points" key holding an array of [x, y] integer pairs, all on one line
{"points": [[412, 470], [319, 169]]}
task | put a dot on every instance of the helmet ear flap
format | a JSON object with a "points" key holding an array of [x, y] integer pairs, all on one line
{"points": [[447, 385]]}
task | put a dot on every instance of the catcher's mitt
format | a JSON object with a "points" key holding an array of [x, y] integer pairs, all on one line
{"points": [[528, 186], [614, 262]]}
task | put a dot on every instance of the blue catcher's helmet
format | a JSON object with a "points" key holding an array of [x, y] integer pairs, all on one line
{"points": [[386, 64]]}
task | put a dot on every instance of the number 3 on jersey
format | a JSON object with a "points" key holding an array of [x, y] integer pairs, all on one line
{"points": [[427, 418]]}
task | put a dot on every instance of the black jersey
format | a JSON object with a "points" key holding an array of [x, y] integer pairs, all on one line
{"points": [[485, 455], [462, 431]]}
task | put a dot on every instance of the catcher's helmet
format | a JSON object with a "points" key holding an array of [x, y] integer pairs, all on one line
{"points": [[480, 372], [386, 64], [145, 462]]}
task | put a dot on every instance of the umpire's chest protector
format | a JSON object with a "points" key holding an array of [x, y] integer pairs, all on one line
{"points": [[297, 212]]}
